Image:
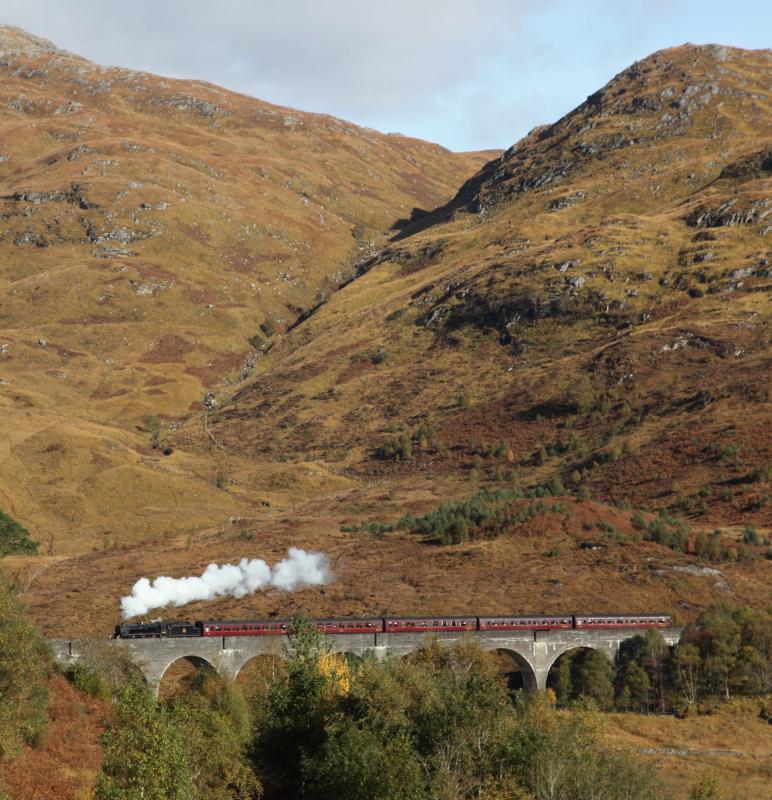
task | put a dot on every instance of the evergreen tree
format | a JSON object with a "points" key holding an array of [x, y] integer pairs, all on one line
{"points": [[562, 681], [636, 687]]}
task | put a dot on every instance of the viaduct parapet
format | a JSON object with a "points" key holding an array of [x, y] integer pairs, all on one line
{"points": [[535, 652]]}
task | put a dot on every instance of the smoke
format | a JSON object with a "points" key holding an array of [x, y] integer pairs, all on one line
{"points": [[299, 569]]}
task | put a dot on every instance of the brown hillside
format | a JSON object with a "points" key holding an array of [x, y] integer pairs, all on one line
{"points": [[606, 279], [597, 315], [157, 236]]}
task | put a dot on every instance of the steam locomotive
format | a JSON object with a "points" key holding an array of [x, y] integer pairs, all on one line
{"points": [[396, 625]]}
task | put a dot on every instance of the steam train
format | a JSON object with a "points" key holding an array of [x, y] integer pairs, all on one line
{"points": [[373, 625]]}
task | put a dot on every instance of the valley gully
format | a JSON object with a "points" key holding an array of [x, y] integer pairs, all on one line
{"points": [[279, 627]]}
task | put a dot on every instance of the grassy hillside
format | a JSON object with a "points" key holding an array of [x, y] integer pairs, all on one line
{"points": [[157, 236], [589, 314], [603, 284]]}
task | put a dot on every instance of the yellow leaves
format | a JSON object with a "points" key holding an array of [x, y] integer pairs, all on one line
{"points": [[336, 671]]}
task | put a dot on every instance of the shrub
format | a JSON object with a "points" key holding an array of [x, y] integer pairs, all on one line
{"points": [[88, 679], [750, 536], [379, 356], [580, 398], [14, 539], [664, 530], [583, 493]]}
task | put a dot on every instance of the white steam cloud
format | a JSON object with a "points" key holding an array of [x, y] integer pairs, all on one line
{"points": [[299, 569]]}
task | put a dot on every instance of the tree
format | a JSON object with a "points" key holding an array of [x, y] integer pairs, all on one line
{"points": [[655, 659], [636, 686], [459, 530], [561, 682], [688, 671], [564, 757], [720, 639], [215, 722], [356, 763], [144, 754], [24, 665], [593, 677], [290, 724], [757, 633]]}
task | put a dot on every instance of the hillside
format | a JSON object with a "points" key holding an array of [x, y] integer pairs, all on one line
{"points": [[229, 328], [157, 236], [588, 313], [606, 279]]}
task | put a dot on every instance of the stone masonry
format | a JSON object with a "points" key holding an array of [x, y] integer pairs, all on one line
{"points": [[534, 651]]}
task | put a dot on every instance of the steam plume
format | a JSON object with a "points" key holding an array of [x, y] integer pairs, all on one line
{"points": [[299, 569]]}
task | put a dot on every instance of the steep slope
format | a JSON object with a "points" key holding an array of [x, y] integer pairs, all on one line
{"points": [[156, 236], [596, 299]]}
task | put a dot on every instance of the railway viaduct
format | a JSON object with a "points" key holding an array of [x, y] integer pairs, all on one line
{"points": [[534, 651]]}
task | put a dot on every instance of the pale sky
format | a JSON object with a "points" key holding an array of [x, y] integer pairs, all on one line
{"points": [[469, 74]]}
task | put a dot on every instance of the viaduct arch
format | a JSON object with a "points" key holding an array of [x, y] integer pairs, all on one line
{"points": [[535, 652]]}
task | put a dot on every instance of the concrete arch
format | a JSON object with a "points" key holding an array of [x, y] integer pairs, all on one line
{"points": [[577, 650], [527, 671], [269, 659], [195, 661], [351, 658], [552, 660]]}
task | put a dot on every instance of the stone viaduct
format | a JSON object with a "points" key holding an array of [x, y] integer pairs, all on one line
{"points": [[534, 651]]}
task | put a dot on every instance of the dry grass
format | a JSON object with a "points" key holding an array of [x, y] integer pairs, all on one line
{"points": [[147, 235], [65, 763], [733, 744], [540, 566]]}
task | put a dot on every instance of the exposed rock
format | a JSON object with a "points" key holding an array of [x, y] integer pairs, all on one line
{"points": [[566, 201], [69, 108], [729, 213], [187, 102]]}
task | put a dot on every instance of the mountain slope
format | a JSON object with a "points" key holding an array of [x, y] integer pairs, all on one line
{"points": [[591, 311], [604, 283], [156, 236]]}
